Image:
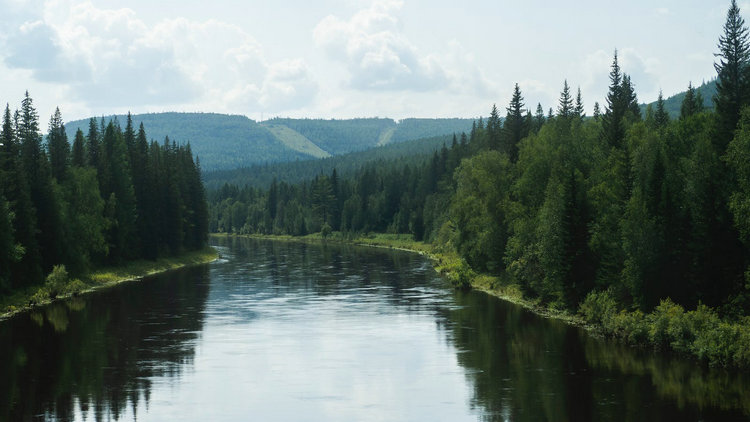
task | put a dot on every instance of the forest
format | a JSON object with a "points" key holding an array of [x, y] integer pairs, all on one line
{"points": [[624, 216], [109, 198]]}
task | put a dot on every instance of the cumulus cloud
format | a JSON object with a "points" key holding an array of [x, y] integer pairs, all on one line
{"points": [[110, 57], [378, 56]]}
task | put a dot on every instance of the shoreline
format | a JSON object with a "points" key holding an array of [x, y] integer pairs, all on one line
{"points": [[700, 335], [447, 264], [103, 278]]}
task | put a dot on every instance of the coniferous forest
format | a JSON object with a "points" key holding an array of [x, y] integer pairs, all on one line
{"points": [[104, 198], [619, 211]]}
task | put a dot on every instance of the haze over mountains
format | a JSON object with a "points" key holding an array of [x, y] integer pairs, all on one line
{"points": [[225, 142]]}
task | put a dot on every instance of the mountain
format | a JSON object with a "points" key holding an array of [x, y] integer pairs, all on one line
{"points": [[225, 142], [673, 103]]}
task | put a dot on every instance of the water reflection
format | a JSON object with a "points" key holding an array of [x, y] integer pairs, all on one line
{"points": [[97, 354], [525, 368], [289, 331]]}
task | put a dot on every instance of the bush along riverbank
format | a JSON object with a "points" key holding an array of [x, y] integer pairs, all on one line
{"points": [[59, 285], [700, 333]]}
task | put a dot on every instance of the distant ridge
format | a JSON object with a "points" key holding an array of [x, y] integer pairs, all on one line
{"points": [[225, 142], [672, 104]]}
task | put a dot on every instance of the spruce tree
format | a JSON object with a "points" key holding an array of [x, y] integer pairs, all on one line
{"points": [[612, 122], [688, 106], [733, 81], [661, 117], [514, 126], [579, 110], [58, 146], [494, 129], [78, 155], [539, 117], [93, 145], [14, 186], [37, 168], [565, 108]]}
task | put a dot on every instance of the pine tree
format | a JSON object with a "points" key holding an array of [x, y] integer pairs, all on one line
{"points": [[733, 81], [597, 111], [630, 100]]}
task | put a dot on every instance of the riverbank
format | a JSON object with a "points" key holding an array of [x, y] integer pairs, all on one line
{"points": [[24, 300], [699, 334]]}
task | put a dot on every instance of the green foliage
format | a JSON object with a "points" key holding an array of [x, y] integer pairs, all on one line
{"points": [[56, 281], [116, 200]]}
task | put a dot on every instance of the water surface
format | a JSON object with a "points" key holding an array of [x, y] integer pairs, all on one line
{"points": [[281, 331]]}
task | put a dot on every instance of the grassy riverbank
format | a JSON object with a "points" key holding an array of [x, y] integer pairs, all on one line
{"points": [[59, 286], [699, 333]]}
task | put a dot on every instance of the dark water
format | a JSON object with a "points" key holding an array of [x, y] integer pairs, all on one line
{"points": [[293, 332]]}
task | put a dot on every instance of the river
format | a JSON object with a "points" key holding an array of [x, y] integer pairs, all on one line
{"points": [[280, 331]]}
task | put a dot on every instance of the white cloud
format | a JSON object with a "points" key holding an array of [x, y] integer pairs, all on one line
{"points": [[379, 57], [110, 57]]}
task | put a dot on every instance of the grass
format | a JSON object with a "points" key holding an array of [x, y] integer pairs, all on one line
{"points": [[25, 299]]}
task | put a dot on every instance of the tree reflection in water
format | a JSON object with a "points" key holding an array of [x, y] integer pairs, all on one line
{"points": [[97, 353], [526, 368]]}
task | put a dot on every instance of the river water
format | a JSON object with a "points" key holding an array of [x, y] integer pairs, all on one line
{"points": [[278, 331]]}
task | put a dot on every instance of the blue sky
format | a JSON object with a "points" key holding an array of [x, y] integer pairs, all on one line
{"points": [[344, 58]]}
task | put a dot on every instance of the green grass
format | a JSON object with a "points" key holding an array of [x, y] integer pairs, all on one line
{"points": [[30, 297]]}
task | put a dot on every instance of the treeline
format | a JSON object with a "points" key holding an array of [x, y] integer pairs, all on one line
{"points": [[637, 207], [382, 196], [111, 197]]}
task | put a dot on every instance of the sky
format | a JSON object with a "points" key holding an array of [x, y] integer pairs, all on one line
{"points": [[345, 58]]}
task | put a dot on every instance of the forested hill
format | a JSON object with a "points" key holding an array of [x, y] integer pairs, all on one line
{"points": [[225, 142], [262, 175], [672, 105]]}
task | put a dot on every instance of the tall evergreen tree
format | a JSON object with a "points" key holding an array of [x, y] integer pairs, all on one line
{"points": [[58, 146], [612, 122], [630, 100], [733, 80], [93, 144], [14, 186], [494, 129], [514, 126], [692, 103], [539, 118], [78, 155], [597, 111], [37, 168], [579, 110], [661, 117], [565, 107]]}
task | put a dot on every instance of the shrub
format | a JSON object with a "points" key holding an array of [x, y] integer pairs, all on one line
{"points": [[632, 327], [56, 281], [666, 319], [75, 287], [598, 308]]}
